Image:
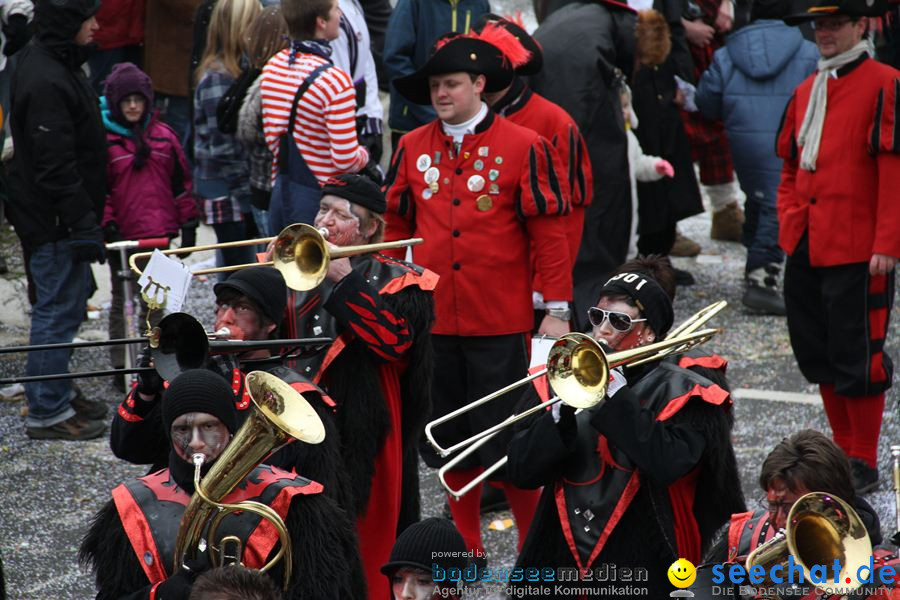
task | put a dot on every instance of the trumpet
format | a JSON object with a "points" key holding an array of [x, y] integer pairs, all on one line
{"points": [[299, 252], [279, 414], [578, 370], [178, 343], [820, 530]]}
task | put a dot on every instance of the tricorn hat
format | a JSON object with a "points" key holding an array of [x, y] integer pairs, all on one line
{"points": [[535, 61], [455, 54], [830, 8]]}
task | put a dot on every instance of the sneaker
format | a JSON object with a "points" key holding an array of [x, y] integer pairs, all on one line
{"points": [[865, 478], [75, 428], [684, 246], [762, 292], [93, 410], [727, 223]]}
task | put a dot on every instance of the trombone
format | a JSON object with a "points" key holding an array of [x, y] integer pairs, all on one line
{"points": [[299, 252], [578, 370], [178, 343]]}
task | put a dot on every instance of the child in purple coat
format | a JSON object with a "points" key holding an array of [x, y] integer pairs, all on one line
{"points": [[148, 181]]}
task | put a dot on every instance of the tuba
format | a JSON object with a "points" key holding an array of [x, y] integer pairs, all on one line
{"points": [[279, 414], [820, 528]]}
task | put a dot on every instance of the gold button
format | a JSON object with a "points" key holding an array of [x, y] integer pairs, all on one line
{"points": [[473, 56]]}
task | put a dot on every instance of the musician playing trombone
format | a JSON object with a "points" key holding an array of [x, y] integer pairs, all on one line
{"points": [[647, 475], [131, 543], [250, 306], [378, 371]]}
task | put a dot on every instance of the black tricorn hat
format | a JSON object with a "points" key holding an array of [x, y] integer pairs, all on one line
{"points": [[535, 62], [832, 8], [455, 54]]}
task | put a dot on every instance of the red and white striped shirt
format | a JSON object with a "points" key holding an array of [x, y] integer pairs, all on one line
{"points": [[325, 126]]}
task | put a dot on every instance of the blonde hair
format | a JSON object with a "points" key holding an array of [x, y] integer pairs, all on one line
{"points": [[226, 39]]}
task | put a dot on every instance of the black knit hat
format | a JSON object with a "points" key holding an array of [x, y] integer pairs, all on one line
{"points": [[265, 286], [535, 62], [434, 541], [832, 8], [199, 390], [654, 304], [358, 190], [455, 54]]}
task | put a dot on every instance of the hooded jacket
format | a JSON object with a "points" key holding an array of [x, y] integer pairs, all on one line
{"points": [[59, 167], [748, 86]]}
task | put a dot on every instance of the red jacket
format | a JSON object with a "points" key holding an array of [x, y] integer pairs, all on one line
{"points": [[121, 24], [533, 111], [479, 223], [849, 203]]}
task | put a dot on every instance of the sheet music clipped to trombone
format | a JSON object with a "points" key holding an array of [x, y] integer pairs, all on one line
{"points": [[165, 282]]}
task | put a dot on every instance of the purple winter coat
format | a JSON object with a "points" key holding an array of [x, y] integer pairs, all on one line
{"points": [[153, 201]]}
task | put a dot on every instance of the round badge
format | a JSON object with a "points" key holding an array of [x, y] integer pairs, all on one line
{"points": [[475, 183], [432, 175], [426, 194], [498, 160], [484, 203], [479, 164], [423, 162], [433, 187], [493, 174]]}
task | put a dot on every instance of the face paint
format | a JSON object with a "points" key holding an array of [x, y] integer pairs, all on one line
{"points": [[412, 584], [336, 215], [199, 432]]}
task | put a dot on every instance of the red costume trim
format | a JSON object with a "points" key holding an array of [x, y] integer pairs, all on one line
{"points": [[128, 416], [735, 528], [712, 394], [302, 386], [138, 532], [712, 361], [260, 543]]}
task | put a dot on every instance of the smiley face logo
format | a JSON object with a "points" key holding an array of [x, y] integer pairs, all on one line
{"points": [[682, 573]]}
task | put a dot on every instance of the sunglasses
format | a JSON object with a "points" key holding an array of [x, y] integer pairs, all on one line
{"points": [[619, 320]]}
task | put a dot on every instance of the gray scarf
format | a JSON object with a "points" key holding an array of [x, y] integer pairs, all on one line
{"points": [[811, 129]]}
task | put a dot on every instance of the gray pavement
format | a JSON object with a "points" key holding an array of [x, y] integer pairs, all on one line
{"points": [[50, 490]]}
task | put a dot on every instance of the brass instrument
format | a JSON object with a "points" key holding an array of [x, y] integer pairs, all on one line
{"points": [[178, 343], [820, 528], [299, 252], [279, 414], [583, 387]]}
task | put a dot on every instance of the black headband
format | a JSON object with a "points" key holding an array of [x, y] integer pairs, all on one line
{"points": [[649, 297]]}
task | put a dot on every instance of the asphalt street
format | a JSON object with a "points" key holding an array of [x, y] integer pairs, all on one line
{"points": [[49, 491]]}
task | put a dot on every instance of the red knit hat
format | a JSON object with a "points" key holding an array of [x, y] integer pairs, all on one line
{"points": [[126, 79]]}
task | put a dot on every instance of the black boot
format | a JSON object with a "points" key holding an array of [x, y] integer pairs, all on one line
{"points": [[762, 293]]}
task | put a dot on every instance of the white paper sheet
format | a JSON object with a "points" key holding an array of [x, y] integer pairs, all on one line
{"points": [[165, 280]]}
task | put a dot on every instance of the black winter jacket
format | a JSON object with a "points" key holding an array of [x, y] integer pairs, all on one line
{"points": [[59, 167]]}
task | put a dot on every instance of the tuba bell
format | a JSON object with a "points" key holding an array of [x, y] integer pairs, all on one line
{"points": [[820, 529], [279, 414]]}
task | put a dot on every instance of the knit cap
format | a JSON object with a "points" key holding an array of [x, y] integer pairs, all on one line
{"points": [[358, 190], [126, 79], [264, 286], [426, 543], [199, 390]]}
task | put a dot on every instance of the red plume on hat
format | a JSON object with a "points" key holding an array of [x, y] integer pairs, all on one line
{"points": [[499, 37]]}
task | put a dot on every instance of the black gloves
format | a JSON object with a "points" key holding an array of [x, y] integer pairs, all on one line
{"points": [[149, 383], [189, 234], [17, 31], [374, 143], [178, 586], [86, 239], [111, 233]]}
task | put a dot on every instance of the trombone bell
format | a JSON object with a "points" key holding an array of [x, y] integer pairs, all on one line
{"points": [[578, 370]]}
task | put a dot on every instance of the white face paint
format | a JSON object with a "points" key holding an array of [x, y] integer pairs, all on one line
{"points": [[336, 215], [412, 584], [199, 432]]}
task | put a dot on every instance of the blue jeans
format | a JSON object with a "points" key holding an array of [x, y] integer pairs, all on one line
{"points": [[232, 232], [62, 287], [760, 235]]}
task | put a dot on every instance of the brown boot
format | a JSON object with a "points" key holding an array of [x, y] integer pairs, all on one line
{"points": [[727, 223], [684, 246]]}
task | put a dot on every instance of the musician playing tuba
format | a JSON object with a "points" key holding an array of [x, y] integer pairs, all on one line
{"points": [[644, 477], [806, 461], [131, 543], [249, 306]]}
